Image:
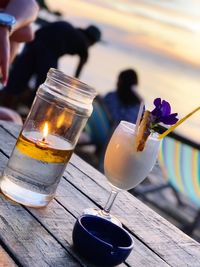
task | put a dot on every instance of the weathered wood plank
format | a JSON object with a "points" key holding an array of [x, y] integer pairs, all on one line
{"points": [[27, 239], [75, 202], [167, 241], [176, 248], [60, 223], [5, 259], [11, 127], [31, 244], [56, 220], [6, 143], [3, 160]]}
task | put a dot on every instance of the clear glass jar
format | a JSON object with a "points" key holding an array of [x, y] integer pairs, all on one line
{"points": [[58, 114]]}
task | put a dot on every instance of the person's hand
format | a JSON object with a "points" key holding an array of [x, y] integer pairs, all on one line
{"points": [[25, 12], [4, 53], [9, 47], [24, 34], [14, 47]]}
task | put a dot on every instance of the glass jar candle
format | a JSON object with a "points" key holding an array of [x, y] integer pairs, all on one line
{"points": [[47, 140]]}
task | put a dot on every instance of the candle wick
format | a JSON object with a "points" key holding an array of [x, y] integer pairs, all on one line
{"points": [[43, 139]]}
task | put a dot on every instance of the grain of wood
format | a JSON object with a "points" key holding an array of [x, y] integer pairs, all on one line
{"points": [[31, 244], [60, 223], [76, 202], [25, 237], [13, 128], [176, 248], [173, 246]]}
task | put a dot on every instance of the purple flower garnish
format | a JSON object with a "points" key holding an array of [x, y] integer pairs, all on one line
{"points": [[162, 113]]}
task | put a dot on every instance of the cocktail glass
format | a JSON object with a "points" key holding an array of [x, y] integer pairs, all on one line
{"points": [[124, 166]]}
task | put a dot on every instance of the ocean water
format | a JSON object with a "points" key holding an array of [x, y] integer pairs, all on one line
{"points": [[160, 39]]}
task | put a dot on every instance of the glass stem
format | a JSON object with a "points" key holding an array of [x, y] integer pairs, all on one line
{"points": [[110, 202]]}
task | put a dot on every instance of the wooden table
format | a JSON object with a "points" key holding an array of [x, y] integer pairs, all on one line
{"points": [[42, 237]]}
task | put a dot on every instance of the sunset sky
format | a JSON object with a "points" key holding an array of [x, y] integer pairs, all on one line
{"points": [[158, 38], [172, 28]]}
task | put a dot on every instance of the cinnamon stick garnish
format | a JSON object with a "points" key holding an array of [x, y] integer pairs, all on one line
{"points": [[143, 131]]}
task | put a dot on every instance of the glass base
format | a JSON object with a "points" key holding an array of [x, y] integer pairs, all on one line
{"points": [[23, 195], [102, 214]]}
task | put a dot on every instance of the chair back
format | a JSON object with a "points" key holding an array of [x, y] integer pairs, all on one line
{"points": [[179, 160], [99, 124]]}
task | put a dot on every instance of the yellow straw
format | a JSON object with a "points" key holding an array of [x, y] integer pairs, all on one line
{"points": [[178, 123]]}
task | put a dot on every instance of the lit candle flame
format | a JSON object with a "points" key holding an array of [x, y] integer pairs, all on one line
{"points": [[45, 131]]}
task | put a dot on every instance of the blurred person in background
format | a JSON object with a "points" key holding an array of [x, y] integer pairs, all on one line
{"points": [[51, 42], [15, 28], [121, 104], [124, 102], [43, 5]]}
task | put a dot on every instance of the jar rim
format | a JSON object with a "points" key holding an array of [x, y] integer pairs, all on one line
{"points": [[74, 83]]}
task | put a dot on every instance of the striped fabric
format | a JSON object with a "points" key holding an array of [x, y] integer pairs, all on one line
{"points": [[181, 166]]}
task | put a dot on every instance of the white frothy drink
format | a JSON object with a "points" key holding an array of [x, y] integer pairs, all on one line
{"points": [[124, 166]]}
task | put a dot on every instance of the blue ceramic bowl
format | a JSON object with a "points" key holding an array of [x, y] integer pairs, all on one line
{"points": [[100, 241]]}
